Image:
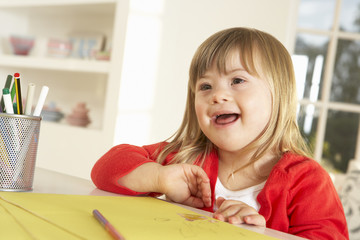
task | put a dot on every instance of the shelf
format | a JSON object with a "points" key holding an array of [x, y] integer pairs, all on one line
{"points": [[71, 80], [66, 64], [63, 128], [55, 8], [42, 3]]}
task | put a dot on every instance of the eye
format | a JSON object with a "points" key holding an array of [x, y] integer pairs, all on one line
{"points": [[204, 86], [237, 81]]}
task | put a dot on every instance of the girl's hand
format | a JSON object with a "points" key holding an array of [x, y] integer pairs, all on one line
{"points": [[186, 184], [236, 212]]}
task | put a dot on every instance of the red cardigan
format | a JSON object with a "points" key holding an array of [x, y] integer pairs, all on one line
{"points": [[298, 197]]}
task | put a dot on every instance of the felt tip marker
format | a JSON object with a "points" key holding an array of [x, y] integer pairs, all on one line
{"points": [[7, 101], [7, 85], [29, 98], [41, 101]]}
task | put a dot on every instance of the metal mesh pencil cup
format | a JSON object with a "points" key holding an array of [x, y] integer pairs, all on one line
{"points": [[19, 137]]}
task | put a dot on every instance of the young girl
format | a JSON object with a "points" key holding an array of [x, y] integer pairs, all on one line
{"points": [[238, 152]]}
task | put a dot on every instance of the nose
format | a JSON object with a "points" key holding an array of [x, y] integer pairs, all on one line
{"points": [[220, 96]]}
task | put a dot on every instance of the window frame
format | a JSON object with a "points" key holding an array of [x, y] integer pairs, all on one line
{"points": [[324, 104]]}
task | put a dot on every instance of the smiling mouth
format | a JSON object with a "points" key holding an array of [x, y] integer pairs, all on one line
{"points": [[224, 119]]}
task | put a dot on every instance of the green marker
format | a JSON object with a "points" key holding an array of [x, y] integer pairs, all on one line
{"points": [[7, 85]]}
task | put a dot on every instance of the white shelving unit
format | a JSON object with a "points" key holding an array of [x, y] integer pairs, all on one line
{"points": [[66, 65], [69, 149]]}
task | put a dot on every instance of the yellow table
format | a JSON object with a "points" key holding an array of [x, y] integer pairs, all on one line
{"points": [[60, 207]]}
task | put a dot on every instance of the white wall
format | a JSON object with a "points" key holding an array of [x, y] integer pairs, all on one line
{"points": [[162, 40]]}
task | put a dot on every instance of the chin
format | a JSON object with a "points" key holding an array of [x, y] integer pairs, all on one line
{"points": [[229, 147]]}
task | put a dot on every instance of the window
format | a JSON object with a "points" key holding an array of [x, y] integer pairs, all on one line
{"points": [[327, 66]]}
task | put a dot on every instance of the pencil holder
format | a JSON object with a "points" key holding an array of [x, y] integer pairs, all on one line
{"points": [[19, 137]]}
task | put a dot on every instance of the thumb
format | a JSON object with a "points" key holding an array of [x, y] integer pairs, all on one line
{"points": [[219, 201]]}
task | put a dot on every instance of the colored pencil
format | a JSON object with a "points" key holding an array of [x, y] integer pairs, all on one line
{"points": [[107, 225], [18, 93]]}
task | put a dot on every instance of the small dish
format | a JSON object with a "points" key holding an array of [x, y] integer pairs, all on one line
{"points": [[21, 45]]}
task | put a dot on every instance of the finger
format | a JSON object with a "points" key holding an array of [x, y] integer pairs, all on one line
{"points": [[205, 192], [194, 202], [246, 210], [200, 174], [242, 208], [225, 213], [219, 201], [223, 204], [235, 220], [201, 186], [255, 219], [190, 201], [219, 205], [192, 175], [219, 216]]}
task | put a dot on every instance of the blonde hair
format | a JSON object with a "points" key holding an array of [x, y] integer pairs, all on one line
{"points": [[256, 49]]}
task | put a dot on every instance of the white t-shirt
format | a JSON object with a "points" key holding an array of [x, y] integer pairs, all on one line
{"points": [[247, 195]]}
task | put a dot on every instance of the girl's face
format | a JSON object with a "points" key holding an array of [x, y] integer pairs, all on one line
{"points": [[232, 108]]}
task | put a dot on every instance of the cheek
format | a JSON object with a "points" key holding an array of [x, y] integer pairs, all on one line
{"points": [[201, 113], [266, 111], [199, 109], [267, 106], [259, 107]]}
